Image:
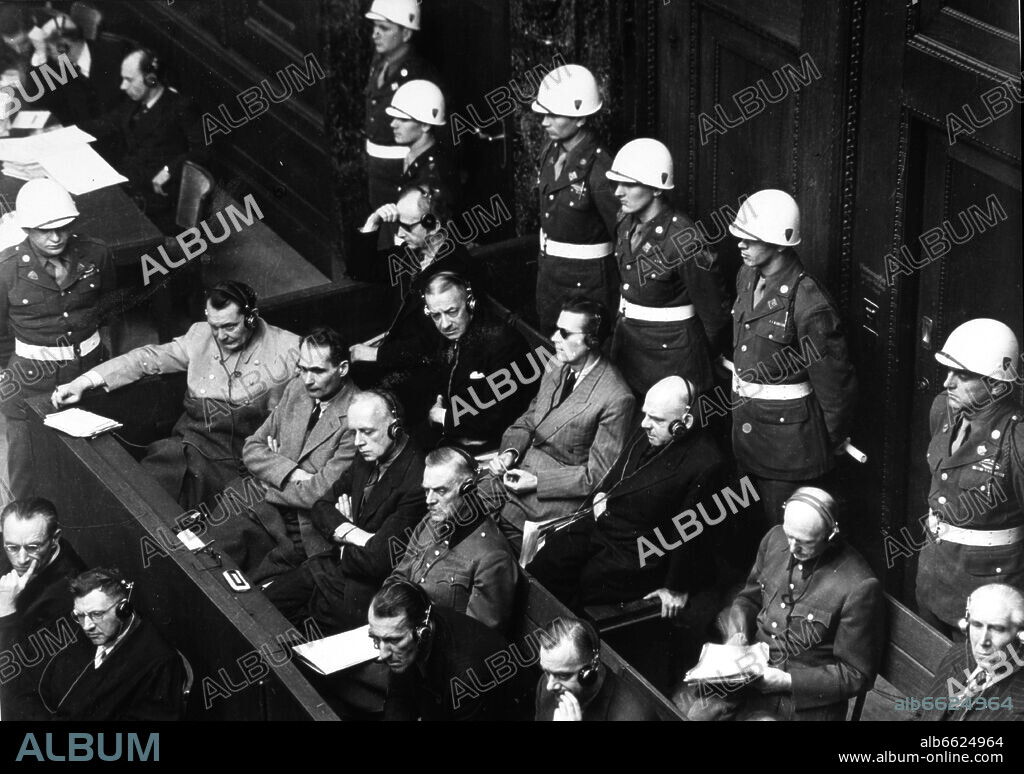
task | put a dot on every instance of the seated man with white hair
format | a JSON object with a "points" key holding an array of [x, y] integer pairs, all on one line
{"points": [[983, 680], [814, 601]]}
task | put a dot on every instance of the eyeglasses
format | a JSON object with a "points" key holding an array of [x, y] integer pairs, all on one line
{"points": [[410, 226], [94, 615], [32, 549], [566, 334]]}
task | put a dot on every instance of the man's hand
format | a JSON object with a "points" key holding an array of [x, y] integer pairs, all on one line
{"points": [[11, 585], [438, 412], [360, 353], [672, 603], [344, 506], [296, 476], [568, 708], [500, 464], [69, 394], [520, 481], [739, 638], [775, 681], [161, 179], [386, 213], [273, 444]]}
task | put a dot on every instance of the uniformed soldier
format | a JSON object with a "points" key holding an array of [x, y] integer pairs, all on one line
{"points": [[577, 206], [51, 286], [793, 385], [394, 63], [674, 310], [976, 458]]}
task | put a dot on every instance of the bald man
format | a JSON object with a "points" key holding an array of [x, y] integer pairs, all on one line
{"points": [[813, 600], [982, 679], [667, 467]]}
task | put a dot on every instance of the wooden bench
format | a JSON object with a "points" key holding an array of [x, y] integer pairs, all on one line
{"points": [[912, 653]]}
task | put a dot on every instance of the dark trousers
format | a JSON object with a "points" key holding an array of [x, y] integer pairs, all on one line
{"points": [[559, 279], [291, 594], [774, 494]]}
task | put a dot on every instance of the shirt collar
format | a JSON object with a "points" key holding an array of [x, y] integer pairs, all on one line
{"points": [[102, 650], [581, 375], [84, 63]]}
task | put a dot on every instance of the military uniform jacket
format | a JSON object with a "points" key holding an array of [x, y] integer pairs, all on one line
{"points": [[435, 170], [410, 67], [826, 630], [579, 207], [794, 335], [980, 487], [36, 311], [465, 567]]}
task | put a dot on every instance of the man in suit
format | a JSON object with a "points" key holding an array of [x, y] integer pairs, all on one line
{"points": [[120, 668], [160, 130], [668, 468], [479, 371], [814, 601], [34, 599], [299, 450], [981, 679], [564, 443], [369, 511]]}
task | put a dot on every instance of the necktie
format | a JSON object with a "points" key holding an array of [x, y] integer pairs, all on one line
{"points": [[57, 269], [759, 289], [380, 75], [636, 236], [560, 161], [570, 382], [963, 430], [313, 418]]}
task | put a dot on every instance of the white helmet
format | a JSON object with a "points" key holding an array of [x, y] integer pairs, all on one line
{"points": [[404, 13], [643, 161], [770, 216], [418, 101], [983, 346], [42, 203], [569, 90]]}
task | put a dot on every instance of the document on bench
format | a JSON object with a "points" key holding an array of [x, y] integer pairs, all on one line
{"points": [[338, 652], [80, 169], [80, 423], [730, 664]]}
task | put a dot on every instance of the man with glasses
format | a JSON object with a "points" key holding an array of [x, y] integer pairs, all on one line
{"points": [[119, 668], [817, 606], [52, 288], [554, 455], [295, 455], [34, 599]]}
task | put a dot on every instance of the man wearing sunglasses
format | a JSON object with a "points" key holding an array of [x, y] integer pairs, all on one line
{"points": [[119, 668], [34, 597]]}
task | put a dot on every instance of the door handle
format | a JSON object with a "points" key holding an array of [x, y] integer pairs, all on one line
{"points": [[923, 384]]}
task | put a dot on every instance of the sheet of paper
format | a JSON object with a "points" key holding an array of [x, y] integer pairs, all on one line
{"points": [[30, 119], [34, 148], [81, 170], [80, 423], [341, 651], [729, 663]]}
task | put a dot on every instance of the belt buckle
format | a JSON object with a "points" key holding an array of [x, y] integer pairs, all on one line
{"points": [[935, 525], [77, 349]]}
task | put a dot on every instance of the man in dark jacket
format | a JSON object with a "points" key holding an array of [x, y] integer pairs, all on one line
{"points": [[369, 511], [34, 600], [120, 669]]}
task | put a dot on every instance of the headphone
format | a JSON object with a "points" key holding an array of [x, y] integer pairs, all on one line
{"points": [[459, 281], [469, 485], [965, 623], [429, 221], [149, 64], [244, 296], [807, 496], [591, 337], [421, 631], [124, 609], [677, 427], [397, 426], [588, 673]]}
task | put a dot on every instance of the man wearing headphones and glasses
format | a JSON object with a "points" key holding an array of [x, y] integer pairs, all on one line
{"points": [[432, 655], [120, 668], [814, 601], [665, 468], [237, 366], [34, 596], [575, 685], [981, 678]]}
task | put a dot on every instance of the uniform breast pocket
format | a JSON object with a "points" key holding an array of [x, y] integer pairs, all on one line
{"points": [[28, 305], [775, 329], [809, 625], [454, 587], [994, 564]]}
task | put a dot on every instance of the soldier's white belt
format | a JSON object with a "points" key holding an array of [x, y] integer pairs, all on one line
{"points": [[558, 249], [770, 391], [393, 152], [973, 537], [36, 352], [655, 314]]}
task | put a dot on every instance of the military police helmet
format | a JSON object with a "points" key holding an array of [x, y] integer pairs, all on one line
{"points": [[983, 346], [418, 101], [569, 90], [404, 13], [644, 161], [42, 203], [769, 216]]}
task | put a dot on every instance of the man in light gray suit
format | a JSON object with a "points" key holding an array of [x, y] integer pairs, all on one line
{"points": [[295, 456], [574, 429]]}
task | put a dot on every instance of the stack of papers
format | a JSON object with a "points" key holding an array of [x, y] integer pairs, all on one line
{"points": [[79, 423], [729, 664], [63, 155], [332, 654]]}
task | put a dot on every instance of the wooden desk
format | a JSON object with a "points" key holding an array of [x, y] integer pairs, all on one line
{"points": [[108, 214], [114, 515]]}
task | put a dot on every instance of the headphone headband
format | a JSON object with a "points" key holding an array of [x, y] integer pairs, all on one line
{"points": [[820, 506], [243, 296]]}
